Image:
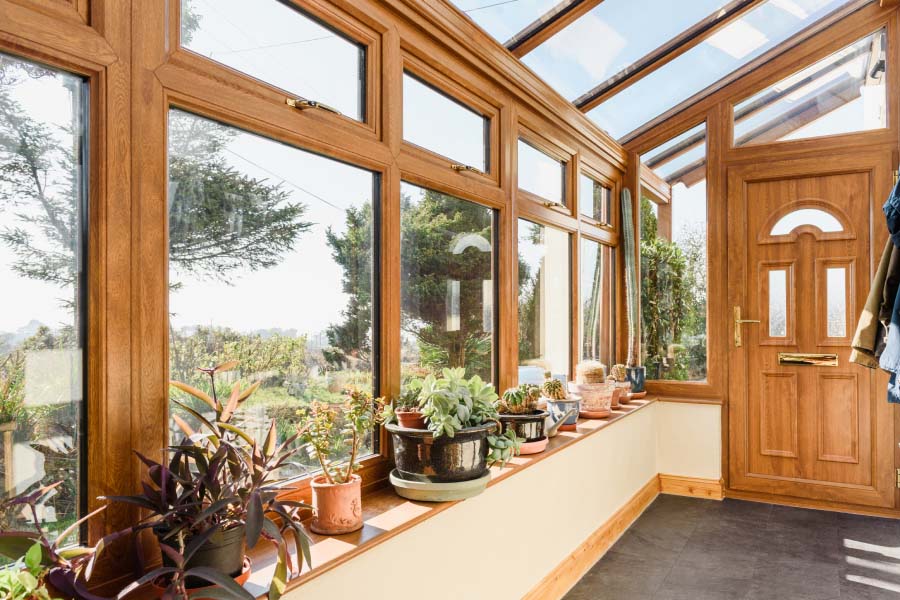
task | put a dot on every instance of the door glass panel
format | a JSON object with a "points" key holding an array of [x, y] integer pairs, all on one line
{"points": [[438, 123], [544, 301], [836, 278], [279, 45], [270, 263], [594, 199], [842, 93], [778, 303], [42, 278], [824, 221], [447, 284], [540, 174]]}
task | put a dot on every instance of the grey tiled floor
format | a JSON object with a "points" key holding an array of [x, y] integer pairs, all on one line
{"points": [[689, 549]]}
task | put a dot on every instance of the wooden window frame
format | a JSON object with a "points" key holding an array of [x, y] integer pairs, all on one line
{"points": [[586, 170], [323, 13], [604, 241], [455, 92], [557, 151]]}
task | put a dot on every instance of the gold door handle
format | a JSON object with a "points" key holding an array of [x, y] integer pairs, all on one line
{"points": [[738, 321]]}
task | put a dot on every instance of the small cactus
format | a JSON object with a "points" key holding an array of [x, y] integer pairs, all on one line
{"points": [[618, 373], [519, 401], [553, 389], [591, 371]]}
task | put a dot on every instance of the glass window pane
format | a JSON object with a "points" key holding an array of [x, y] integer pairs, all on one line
{"points": [[544, 301], [504, 19], [815, 217], [673, 262], [447, 284], [594, 199], [731, 47], [597, 265], [609, 38], [270, 263], [438, 123], [842, 93], [778, 303], [540, 174], [837, 301], [42, 256], [279, 45]]}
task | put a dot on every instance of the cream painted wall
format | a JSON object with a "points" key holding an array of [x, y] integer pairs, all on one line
{"points": [[689, 439], [476, 545]]}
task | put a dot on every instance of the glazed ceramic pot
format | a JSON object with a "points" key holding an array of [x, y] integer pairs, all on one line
{"points": [[412, 419], [223, 552], [530, 426], [337, 507], [558, 408], [638, 377], [419, 456]]}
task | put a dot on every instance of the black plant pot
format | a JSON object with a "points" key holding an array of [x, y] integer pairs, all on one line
{"points": [[420, 456], [530, 426], [224, 552]]}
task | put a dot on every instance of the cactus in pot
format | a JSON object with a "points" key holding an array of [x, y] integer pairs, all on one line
{"points": [[560, 404], [553, 389], [519, 413]]}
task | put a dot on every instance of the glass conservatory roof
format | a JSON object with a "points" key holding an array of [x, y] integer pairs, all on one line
{"points": [[627, 62]]}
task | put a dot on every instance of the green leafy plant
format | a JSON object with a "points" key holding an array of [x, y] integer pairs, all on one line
{"points": [[553, 389], [220, 477], [338, 430], [40, 560], [408, 401], [23, 580], [452, 403]]}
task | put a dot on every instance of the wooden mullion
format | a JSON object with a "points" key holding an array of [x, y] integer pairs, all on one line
{"points": [[666, 53], [549, 24]]}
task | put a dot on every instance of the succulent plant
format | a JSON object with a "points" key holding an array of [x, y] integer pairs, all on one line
{"points": [[618, 373], [591, 371], [520, 400], [553, 389]]}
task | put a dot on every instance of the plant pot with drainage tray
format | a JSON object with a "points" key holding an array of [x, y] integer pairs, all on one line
{"points": [[519, 413], [450, 459]]}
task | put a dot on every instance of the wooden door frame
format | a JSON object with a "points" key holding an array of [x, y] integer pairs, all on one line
{"points": [[879, 166]]}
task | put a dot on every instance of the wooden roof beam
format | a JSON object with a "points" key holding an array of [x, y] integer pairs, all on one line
{"points": [[890, 3], [555, 20], [666, 53]]}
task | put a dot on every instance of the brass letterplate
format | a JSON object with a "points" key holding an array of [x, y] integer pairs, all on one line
{"points": [[814, 360]]}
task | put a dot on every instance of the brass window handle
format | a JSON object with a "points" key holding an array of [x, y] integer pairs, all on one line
{"points": [[738, 321], [303, 104]]}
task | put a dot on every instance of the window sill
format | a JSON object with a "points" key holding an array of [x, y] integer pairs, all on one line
{"points": [[386, 514]]}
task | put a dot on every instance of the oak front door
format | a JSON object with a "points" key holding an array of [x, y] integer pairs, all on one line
{"points": [[804, 421]]}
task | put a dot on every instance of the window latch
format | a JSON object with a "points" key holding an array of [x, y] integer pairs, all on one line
{"points": [[303, 104], [553, 204], [461, 168]]}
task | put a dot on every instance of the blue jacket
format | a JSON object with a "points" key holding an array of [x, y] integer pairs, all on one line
{"points": [[891, 210], [890, 358]]}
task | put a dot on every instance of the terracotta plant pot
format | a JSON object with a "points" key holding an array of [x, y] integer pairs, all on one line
{"points": [[337, 507], [420, 456], [411, 419], [624, 388], [197, 593]]}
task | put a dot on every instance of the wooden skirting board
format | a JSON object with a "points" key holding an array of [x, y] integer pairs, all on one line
{"points": [[691, 486], [573, 567]]}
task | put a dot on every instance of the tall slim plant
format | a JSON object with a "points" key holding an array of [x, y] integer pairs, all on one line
{"points": [[631, 291]]}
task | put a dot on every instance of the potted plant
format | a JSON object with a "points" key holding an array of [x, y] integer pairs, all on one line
{"points": [[450, 458], [45, 568], [518, 411], [597, 395], [337, 430], [405, 410], [218, 492], [636, 374], [559, 403]]}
